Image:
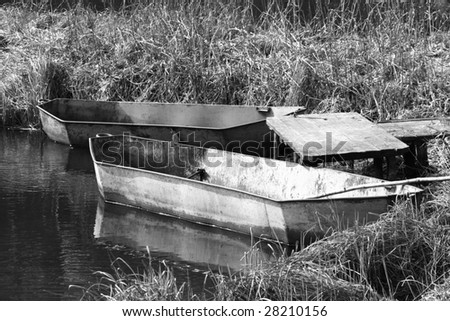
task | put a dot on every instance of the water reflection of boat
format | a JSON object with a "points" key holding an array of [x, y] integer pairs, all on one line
{"points": [[173, 239]]}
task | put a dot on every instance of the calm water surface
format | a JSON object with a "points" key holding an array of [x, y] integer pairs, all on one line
{"points": [[55, 230]]}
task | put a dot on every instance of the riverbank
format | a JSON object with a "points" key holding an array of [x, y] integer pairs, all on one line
{"points": [[218, 54], [395, 69]]}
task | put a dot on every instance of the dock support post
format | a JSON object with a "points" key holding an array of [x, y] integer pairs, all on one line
{"points": [[422, 154], [275, 146], [378, 164], [416, 158], [410, 161], [391, 167]]}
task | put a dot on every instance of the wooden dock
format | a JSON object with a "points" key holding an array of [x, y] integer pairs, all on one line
{"points": [[411, 130], [416, 133], [349, 136], [334, 136]]}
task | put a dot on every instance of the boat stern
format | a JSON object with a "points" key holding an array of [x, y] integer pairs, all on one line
{"points": [[54, 127]]}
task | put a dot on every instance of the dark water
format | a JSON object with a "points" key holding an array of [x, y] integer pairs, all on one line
{"points": [[55, 231]]}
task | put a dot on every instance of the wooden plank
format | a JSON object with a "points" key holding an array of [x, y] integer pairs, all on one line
{"points": [[286, 130], [308, 136], [317, 127], [313, 140], [304, 136], [337, 127], [364, 135], [355, 130], [412, 129], [370, 133]]}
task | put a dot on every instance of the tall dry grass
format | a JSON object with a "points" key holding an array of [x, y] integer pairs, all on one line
{"points": [[386, 62]]}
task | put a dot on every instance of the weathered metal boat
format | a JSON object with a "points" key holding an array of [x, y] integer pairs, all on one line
{"points": [[72, 122], [248, 194]]}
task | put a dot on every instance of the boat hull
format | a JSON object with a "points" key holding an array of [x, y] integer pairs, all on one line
{"points": [[287, 222], [73, 122], [230, 205]]}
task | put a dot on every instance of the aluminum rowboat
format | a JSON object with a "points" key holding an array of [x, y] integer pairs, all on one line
{"points": [[72, 122], [259, 196]]}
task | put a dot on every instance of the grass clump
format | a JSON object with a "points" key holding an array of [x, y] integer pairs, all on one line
{"points": [[126, 284], [400, 257], [288, 280]]}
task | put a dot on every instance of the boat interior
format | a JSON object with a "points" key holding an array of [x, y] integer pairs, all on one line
{"points": [[265, 177]]}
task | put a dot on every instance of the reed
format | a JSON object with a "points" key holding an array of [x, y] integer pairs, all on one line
{"points": [[128, 284], [343, 58], [286, 280]]}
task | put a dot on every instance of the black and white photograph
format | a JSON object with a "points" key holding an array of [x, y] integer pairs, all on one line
{"points": [[229, 158]]}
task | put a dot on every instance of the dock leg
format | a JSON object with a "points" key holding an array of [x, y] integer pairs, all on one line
{"points": [[275, 146], [410, 158], [422, 154], [378, 164], [391, 167], [352, 165]]}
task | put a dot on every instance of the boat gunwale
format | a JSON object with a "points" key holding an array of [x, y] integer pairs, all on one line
{"points": [[280, 201], [84, 122]]}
